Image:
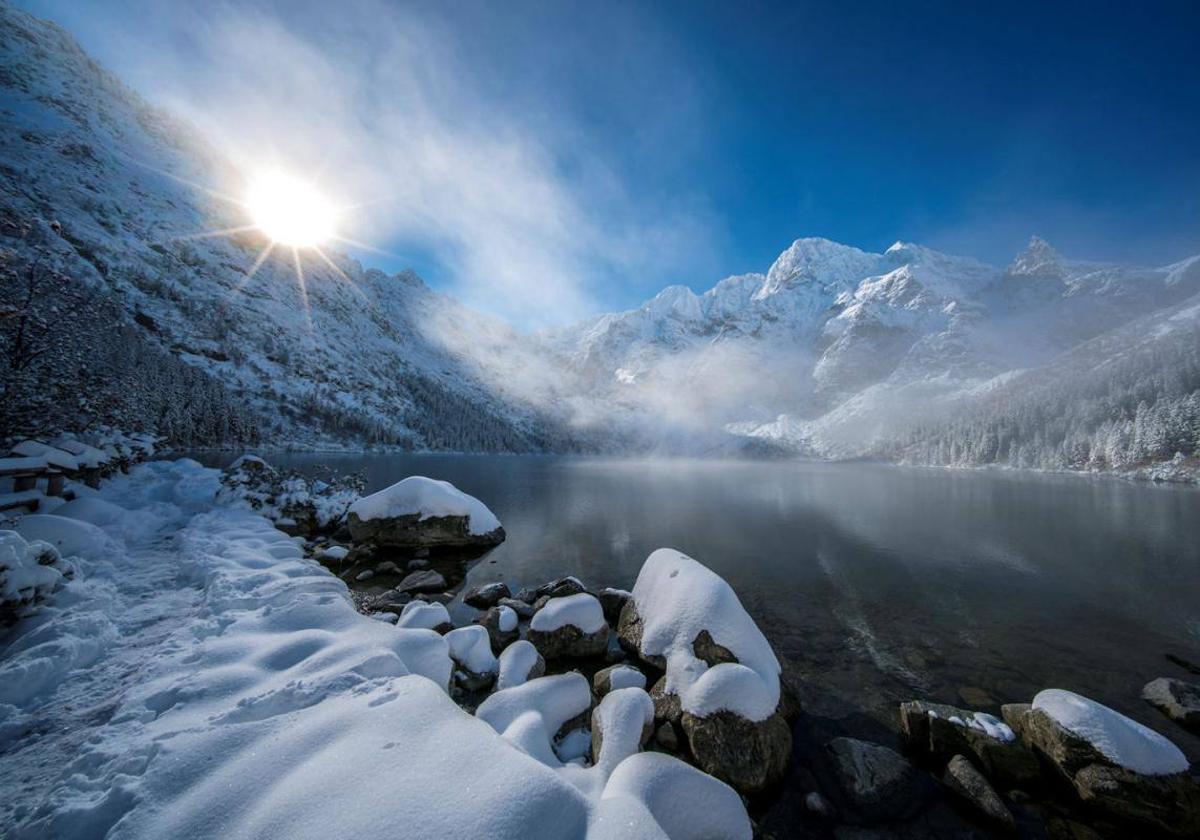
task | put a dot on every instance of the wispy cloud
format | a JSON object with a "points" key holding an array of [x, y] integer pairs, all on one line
{"points": [[395, 110]]}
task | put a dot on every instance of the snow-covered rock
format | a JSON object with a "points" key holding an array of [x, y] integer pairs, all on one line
{"points": [[617, 676], [29, 572], [943, 731], [722, 679], [569, 627], [420, 512], [425, 616], [471, 649], [486, 595], [621, 725], [501, 624], [520, 662], [1118, 767]]}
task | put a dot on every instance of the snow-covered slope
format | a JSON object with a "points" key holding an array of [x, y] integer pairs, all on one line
{"points": [[109, 194]]}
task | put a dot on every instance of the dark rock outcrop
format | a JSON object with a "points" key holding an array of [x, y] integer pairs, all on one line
{"points": [[411, 531], [1177, 699], [973, 787]]}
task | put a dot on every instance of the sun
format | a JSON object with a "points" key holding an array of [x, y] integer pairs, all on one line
{"points": [[291, 211]]}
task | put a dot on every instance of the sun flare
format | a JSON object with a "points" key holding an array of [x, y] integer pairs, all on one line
{"points": [[291, 211]]}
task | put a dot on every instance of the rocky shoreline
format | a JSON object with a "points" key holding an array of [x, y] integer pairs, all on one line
{"points": [[956, 771]]}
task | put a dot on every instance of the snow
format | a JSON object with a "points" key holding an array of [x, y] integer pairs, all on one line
{"points": [[199, 677], [471, 647], [51, 455], [423, 615], [529, 715], [622, 676], [673, 792], [426, 497], [26, 573], [508, 619], [580, 610], [1122, 741], [516, 660], [622, 716], [678, 597], [335, 552]]}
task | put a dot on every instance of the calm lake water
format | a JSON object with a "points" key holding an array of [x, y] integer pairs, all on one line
{"points": [[876, 584]]}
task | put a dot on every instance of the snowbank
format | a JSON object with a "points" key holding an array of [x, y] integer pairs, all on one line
{"points": [[232, 690], [426, 498], [581, 610], [1122, 741], [677, 598]]}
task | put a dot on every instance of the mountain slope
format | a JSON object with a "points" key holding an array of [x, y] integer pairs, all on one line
{"points": [[104, 196]]}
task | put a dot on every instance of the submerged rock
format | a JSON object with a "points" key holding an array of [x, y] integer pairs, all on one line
{"points": [[962, 778], [1178, 700], [878, 783], [422, 581]]}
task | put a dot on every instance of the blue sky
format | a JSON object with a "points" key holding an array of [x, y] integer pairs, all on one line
{"points": [[549, 159]]}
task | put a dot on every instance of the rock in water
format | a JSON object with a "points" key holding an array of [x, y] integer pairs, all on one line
{"points": [[1119, 768], [942, 731], [420, 512], [487, 595], [962, 778], [878, 783], [560, 588], [722, 688], [423, 581], [1178, 700], [613, 601], [570, 627]]}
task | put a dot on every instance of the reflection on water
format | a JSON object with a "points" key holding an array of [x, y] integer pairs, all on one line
{"points": [[875, 583]]}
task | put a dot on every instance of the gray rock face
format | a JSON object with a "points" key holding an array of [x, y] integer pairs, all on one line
{"points": [[414, 532], [561, 588], [927, 728], [1178, 700], [629, 633], [486, 595], [569, 642], [390, 601], [521, 608], [667, 738], [1169, 805], [878, 783], [425, 580], [749, 756], [962, 778], [612, 601]]}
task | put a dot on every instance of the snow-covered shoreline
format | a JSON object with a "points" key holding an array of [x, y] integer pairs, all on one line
{"points": [[201, 677]]}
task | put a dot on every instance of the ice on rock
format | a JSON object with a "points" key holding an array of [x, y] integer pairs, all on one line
{"points": [[1122, 741], [581, 610], [426, 497], [677, 598], [424, 616]]}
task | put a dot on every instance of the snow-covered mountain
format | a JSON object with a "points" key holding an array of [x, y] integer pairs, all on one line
{"points": [[101, 201], [835, 349], [114, 310]]}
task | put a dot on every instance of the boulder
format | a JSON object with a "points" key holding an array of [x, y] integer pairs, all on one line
{"points": [[486, 595], [667, 737], [387, 567], [963, 779], [942, 731], [878, 783], [617, 676], [519, 663], [425, 580], [420, 512], [391, 601], [612, 601], [1177, 699], [621, 725], [629, 633], [501, 625], [749, 755], [561, 588], [1119, 769], [569, 628], [521, 608]]}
